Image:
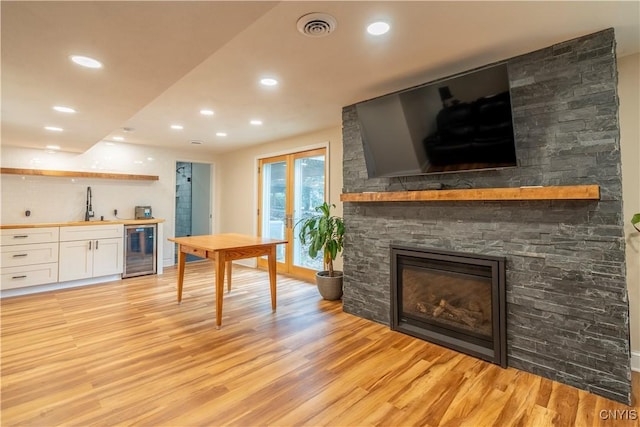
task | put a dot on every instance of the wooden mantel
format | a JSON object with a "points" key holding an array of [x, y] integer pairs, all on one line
{"points": [[569, 192], [78, 174]]}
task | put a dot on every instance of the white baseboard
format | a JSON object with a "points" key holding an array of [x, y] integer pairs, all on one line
{"points": [[58, 286], [635, 361]]}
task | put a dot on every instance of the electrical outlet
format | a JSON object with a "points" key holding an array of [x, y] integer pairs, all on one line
{"points": [[115, 212]]}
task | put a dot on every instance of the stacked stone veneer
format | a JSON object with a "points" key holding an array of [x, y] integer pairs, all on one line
{"points": [[567, 307]]}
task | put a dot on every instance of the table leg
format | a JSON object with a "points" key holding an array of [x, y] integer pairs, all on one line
{"points": [[272, 275], [181, 262], [228, 276], [219, 286]]}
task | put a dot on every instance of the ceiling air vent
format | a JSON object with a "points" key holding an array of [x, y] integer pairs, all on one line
{"points": [[317, 24]]}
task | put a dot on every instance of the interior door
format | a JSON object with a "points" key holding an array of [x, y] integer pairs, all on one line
{"points": [[290, 187]]}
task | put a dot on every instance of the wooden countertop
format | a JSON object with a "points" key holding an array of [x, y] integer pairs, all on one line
{"points": [[75, 223]]}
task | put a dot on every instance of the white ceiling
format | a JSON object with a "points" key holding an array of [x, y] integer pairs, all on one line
{"points": [[165, 61]]}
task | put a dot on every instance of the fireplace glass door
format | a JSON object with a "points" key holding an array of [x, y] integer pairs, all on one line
{"points": [[448, 296], [452, 299]]}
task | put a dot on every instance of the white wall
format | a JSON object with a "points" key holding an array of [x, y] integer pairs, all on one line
{"points": [[629, 93], [237, 176], [53, 199]]}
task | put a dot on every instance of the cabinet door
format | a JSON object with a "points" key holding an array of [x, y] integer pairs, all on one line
{"points": [[76, 260], [108, 257]]}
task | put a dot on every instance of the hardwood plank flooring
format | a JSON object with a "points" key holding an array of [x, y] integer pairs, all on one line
{"points": [[125, 353]]}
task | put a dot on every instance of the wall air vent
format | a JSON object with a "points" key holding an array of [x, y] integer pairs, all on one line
{"points": [[317, 24]]}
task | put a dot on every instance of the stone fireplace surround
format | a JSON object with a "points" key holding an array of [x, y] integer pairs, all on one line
{"points": [[567, 306]]}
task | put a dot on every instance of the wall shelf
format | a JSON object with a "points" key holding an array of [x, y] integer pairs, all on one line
{"points": [[569, 192], [78, 174]]}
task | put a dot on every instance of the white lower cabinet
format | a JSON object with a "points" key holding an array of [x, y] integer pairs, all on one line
{"points": [[90, 251], [29, 257]]}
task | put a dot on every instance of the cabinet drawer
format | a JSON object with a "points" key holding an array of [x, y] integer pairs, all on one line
{"points": [[22, 236], [91, 232], [16, 255], [31, 275]]}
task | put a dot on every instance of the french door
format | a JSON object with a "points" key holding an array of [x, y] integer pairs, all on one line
{"points": [[290, 187]]}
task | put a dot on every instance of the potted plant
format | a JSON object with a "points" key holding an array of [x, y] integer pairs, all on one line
{"points": [[324, 234], [635, 221]]}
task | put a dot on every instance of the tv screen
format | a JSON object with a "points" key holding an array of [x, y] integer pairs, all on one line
{"points": [[455, 124]]}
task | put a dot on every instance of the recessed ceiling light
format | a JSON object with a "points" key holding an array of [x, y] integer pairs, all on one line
{"points": [[206, 112], [118, 138], [177, 127], [378, 28], [221, 134], [85, 61], [63, 109], [256, 122], [53, 128], [268, 81], [53, 147]]}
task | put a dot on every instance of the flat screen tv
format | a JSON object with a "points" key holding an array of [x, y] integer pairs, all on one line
{"points": [[461, 123]]}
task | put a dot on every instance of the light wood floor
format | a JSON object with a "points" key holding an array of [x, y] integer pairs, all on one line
{"points": [[125, 353]]}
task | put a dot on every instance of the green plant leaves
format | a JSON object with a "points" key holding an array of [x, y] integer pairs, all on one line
{"points": [[324, 233]]}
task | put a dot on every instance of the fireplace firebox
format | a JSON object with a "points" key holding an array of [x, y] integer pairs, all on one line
{"points": [[452, 299]]}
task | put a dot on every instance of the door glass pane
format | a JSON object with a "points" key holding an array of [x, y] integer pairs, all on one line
{"points": [[308, 193], [274, 203]]}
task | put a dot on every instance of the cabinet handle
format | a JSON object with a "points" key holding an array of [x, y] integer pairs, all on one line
{"points": [[19, 255], [96, 245], [90, 242], [22, 236], [20, 277]]}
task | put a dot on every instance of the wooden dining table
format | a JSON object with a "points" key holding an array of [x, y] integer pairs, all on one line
{"points": [[223, 249]]}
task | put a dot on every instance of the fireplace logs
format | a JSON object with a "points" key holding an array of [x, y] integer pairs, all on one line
{"points": [[463, 315]]}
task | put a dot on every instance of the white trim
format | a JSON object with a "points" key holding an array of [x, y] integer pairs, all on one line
{"points": [[635, 361], [60, 285]]}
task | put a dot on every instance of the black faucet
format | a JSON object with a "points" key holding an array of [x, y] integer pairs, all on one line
{"points": [[89, 212]]}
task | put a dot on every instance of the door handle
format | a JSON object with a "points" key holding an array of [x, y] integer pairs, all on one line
{"points": [[289, 221]]}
